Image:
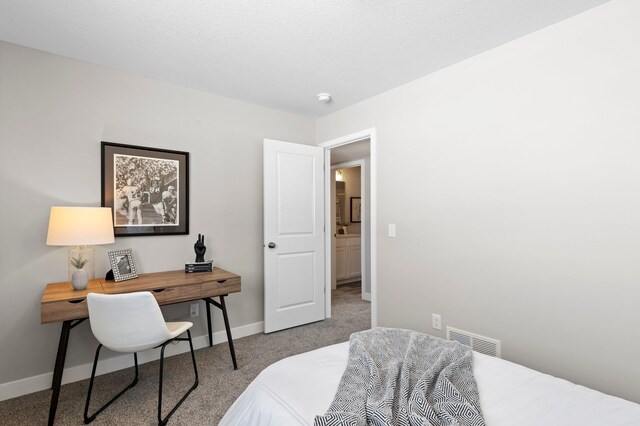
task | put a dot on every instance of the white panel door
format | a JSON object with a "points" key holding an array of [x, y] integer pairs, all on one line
{"points": [[293, 235]]}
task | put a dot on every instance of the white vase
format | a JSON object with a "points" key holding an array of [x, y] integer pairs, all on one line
{"points": [[79, 279]]}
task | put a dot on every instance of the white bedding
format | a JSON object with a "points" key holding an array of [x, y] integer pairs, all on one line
{"points": [[294, 390]]}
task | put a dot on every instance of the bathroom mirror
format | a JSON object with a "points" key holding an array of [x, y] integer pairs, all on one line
{"points": [[341, 213]]}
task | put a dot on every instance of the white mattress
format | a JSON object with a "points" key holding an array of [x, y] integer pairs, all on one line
{"points": [[294, 390]]}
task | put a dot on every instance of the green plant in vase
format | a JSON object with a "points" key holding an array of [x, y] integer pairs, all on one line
{"points": [[79, 279]]}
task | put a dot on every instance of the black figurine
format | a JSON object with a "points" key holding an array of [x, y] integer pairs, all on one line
{"points": [[200, 248]]}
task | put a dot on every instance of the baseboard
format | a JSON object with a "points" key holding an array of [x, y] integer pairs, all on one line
{"points": [[366, 296], [348, 280], [73, 374]]}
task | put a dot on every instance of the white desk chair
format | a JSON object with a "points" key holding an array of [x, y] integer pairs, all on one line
{"points": [[133, 322]]}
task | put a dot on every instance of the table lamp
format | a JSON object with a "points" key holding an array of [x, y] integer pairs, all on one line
{"points": [[80, 227]]}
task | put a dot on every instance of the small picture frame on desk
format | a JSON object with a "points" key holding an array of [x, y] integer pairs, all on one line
{"points": [[122, 265]]}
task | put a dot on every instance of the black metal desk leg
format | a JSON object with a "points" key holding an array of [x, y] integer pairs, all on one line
{"points": [[229, 338], [209, 322], [58, 369]]}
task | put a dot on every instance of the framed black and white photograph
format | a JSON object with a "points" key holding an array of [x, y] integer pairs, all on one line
{"points": [[147, 189], [356, 210], [122, 265]]}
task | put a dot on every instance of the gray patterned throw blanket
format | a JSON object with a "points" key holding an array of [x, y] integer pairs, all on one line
{"points": [[405, 378]]}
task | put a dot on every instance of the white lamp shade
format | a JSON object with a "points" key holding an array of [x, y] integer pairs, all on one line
{"points": [[80, 226]]}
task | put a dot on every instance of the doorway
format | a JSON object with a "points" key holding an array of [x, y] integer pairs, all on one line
{"points": [[356, 150], [350, 184]]}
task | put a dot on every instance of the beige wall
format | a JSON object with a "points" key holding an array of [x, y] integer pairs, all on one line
{"points": [[54, 112], [513, 179]]}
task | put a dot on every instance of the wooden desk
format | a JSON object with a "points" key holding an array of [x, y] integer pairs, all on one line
{"points": [[61, 303]]}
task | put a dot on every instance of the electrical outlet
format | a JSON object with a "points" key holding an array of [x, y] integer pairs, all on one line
{"points": [[194, 310], [392, 230], [436, 321]]}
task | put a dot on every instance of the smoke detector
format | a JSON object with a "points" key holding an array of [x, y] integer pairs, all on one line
{"points": [[325, 98]]}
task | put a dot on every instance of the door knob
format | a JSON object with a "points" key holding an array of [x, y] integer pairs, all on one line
{"points": [[272, 245]]}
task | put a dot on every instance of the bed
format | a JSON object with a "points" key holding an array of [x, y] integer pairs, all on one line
{"points": [[296, 389]]}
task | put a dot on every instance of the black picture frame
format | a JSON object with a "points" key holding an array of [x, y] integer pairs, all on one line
{"points": [[122, 265], [146, 188], [356, 210]]}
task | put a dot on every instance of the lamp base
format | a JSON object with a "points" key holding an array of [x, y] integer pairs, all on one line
{"points": [[79, 280], [85, 255]]}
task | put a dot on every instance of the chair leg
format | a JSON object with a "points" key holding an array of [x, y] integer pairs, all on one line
{"points": [[164, 421], [88, 419], [193, 358]]}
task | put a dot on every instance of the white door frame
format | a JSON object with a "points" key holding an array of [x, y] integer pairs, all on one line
{"points": [[365, 235], [334, 143]]}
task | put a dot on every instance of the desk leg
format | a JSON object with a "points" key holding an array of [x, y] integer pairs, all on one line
{"points": [[223, 307], [58, 369], [209, 322], [229, 338]]}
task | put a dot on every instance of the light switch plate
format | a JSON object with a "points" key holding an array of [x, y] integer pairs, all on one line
{"points": [[392, 229]]}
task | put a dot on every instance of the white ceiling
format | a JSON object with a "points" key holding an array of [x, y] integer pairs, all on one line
{"points": [[278, 53], [351, 152]]}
